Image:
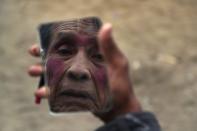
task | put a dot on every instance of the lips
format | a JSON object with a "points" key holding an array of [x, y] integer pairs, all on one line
{"points": [[76, 94]]}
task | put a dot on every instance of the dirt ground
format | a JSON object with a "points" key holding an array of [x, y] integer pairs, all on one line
{"points": [[158, 36]]}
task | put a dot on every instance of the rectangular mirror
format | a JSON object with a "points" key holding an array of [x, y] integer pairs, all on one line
{"points": [[75, 70]]}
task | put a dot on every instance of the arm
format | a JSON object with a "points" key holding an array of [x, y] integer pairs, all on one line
{"points": [[125, 101], [126, 114]]}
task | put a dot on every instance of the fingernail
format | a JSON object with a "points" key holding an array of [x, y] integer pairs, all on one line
{"points": [[37, 100], [108, 26]]}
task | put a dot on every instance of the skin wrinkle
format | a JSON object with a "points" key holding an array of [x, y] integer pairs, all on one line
{"points": [[79, 37], [57, 75], [57, 65], [100, 77], [57, 68], [74, 38]]}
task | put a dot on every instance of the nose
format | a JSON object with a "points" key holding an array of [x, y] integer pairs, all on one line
{"points": [[78, 74]]}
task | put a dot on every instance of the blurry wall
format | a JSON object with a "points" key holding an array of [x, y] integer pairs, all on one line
{"points": [[158, 37]]}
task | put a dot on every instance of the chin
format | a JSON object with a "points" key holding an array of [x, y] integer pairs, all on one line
{"points": [[68, 109], [72, 105]]}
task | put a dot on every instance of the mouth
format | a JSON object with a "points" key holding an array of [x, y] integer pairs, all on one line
{"points": [[71, 93]]}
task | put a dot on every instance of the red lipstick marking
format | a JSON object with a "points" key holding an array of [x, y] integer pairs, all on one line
{"points": [[37, 100]]}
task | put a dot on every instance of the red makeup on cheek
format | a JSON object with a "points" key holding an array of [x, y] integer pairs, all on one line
{"points": [[100, 76], [101, 81], [55, 69]]}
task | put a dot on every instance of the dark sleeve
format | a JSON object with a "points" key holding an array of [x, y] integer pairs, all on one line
{"points": [[141, 121]]}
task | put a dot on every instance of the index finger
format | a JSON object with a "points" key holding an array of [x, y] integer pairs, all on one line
{"points": [[34, 50], [111, 52]]}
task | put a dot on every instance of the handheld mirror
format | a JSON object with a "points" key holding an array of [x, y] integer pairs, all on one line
{"points": [[75, 70]]}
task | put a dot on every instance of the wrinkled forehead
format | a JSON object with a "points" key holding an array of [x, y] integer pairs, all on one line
{"points": [[81, 26], [86, 26]]}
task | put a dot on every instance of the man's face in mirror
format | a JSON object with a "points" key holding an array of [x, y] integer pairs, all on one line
{"points": [[76, 73]]}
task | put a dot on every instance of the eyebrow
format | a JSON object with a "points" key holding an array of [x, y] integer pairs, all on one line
{"points": [[94, 42], [70, 37], [70, 33], [63, 36]]}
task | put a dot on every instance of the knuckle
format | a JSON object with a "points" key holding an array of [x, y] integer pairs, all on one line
{"points": [[124, 64]]}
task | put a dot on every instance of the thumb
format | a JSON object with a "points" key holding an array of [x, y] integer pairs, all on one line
{"points": [[108, 47]]}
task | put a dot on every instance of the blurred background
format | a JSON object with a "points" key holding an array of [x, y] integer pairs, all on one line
{"points": [[158, 37]]}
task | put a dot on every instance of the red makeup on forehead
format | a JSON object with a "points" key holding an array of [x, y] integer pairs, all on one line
{"points": [[85, 40]]}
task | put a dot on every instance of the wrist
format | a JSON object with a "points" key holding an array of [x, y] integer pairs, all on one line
{"points": [[132, 106]]}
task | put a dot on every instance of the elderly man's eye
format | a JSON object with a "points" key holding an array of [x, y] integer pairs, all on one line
{"points": [[98, 57], [64, 51]]}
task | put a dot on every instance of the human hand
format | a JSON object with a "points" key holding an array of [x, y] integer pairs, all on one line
{"points": [[124, 99], [37, 70]]}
